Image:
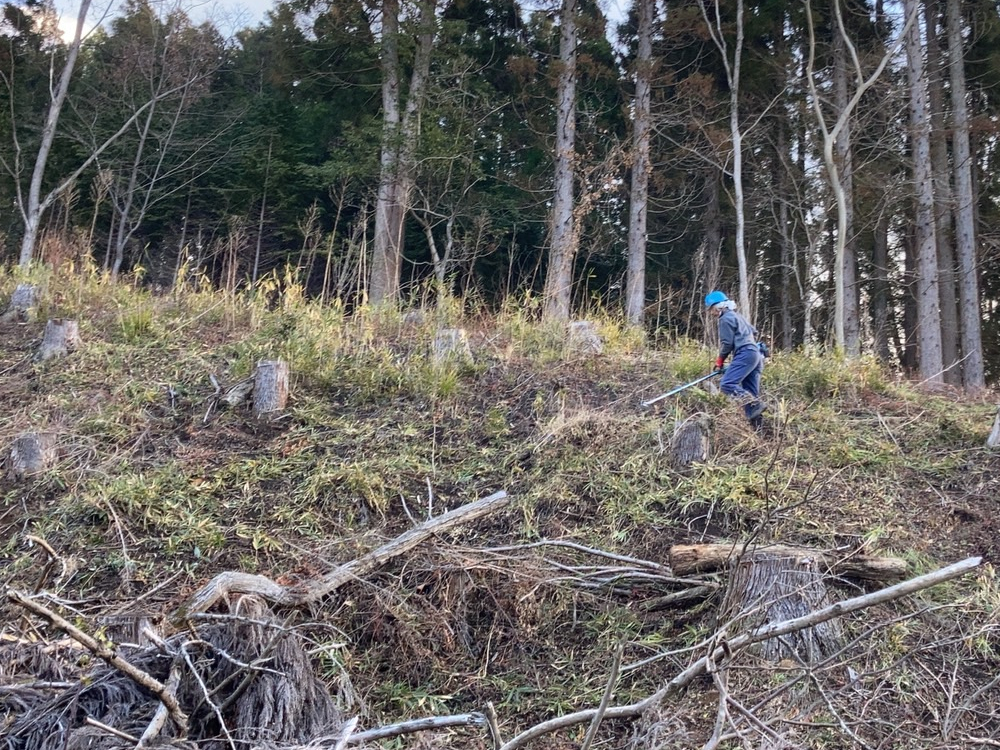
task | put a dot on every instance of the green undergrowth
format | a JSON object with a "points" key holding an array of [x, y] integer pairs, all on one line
{"points": [[154, 479]]}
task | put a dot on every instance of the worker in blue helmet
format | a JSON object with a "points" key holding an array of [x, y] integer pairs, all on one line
{"points": [[741, 380]]}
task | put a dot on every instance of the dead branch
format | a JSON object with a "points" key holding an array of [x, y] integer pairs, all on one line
{"points": [[418, 725], [109, 656], [609, 690], [229, 583], [763, 633], [687, 559]]}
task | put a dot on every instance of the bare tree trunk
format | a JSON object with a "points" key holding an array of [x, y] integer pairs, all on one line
{"points": [[32, 211], [733, 71], [848, 258], [635, 285], [260, 219], [942, 198], [712, 229], [23, 304], [831, 138], [911, 316], [562, 232], [880, 289], [399, 135], [785, 239], [928, 303], [965, 224]]}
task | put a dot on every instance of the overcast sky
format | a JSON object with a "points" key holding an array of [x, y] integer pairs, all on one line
{"points": [[230, 16]]}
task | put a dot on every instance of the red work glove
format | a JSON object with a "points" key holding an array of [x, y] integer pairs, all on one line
{"points": [[720, 364]]}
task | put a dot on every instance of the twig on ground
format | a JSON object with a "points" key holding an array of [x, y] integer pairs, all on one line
{"points": [[108, 655]]}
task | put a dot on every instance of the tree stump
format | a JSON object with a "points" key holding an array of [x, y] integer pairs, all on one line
{"points": [[993, 441], [450, 345], [583, 338], [270, 388], [765, 588], [22, 304], [691, 559], [60, 338], [691, 442], [32, 453]]}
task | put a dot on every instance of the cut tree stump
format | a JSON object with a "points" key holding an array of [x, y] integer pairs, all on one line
{"points": [[993, 441], [32, 453], [583, 338], [765, 587], [60, 338], [691, 442], [451, 345], [22, 304], [270, 388], [687, 559]]}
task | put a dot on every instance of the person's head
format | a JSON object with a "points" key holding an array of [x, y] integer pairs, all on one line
{"points": [[717, 302]]}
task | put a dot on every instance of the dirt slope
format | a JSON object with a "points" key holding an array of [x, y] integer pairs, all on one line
{"points": [[154, 493]]}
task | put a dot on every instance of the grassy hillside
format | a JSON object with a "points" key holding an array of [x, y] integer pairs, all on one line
{"points": [[154, 492]]}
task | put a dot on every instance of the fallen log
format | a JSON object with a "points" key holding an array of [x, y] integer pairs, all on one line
{"points": [[687, 559], [228, 583]]}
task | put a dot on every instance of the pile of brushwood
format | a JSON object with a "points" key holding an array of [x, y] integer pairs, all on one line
{"points": [[179, 570]]}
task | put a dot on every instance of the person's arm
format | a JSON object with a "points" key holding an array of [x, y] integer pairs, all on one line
{"points": [[727, 339], [727, 336]]}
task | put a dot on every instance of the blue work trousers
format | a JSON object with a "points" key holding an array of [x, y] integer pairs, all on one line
{"points": [[741, 380]]}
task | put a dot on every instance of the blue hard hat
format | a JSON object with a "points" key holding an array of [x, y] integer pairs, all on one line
{"points": [[714, 298]]}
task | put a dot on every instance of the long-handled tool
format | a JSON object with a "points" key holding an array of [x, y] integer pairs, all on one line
{"points": [[680, 388]]}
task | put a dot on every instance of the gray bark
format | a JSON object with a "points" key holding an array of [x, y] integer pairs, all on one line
{"points": [[635, 283], [399, 136], [31, 453], [928, 302], [993, 441], [733, 70], [941, 173], [831, 137], [23, 304], [965, 221], [880, 290], [270, 388], [691, 442], [60, 338], [848, 269], [32, 210], [764, 588], [562, 229]]}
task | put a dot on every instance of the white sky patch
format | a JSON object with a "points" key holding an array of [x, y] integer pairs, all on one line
{"points": [[228, 16]]}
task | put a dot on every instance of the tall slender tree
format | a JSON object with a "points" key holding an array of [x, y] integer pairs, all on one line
{"points": [[635, 283], [35, 204], [928, 300], [400, 130], [965, 226], [563, 230]]}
